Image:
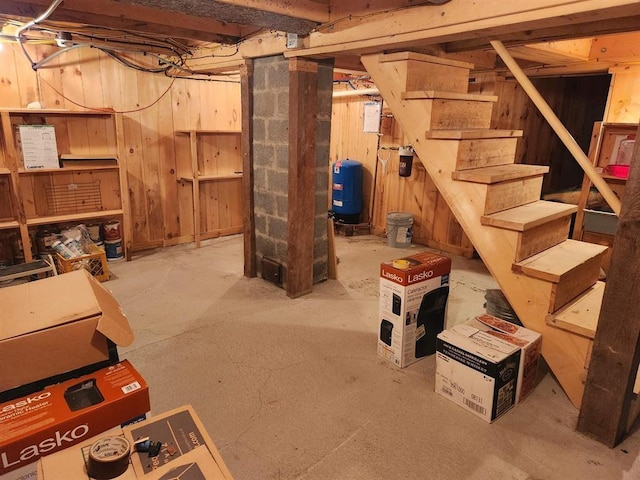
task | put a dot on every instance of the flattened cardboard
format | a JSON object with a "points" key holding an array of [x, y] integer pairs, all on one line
{"points": [[67, 413], [57, 325], [180, 429]]}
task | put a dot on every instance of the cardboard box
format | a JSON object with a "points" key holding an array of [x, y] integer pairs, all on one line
{"points": [[67, 413], [180, 431], [186, 447], [57, 325], [530, 344], [477, 371], [413, 297]]}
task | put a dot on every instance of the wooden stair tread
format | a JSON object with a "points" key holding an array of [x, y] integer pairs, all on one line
{"points": [[581, 315], [421, 57], [499, 173], [440, 95], [528, 216], [471, 134], [555, 262]]}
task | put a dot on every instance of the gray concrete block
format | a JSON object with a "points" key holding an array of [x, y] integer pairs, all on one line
{"points": [[320, 272], [265, 246], [259, 178], [321, 203], [281, 159], [282, 103], [282, 206], [278, 181], [264, 202], [263, 154], [259, 129], [278, 131], [277, 228], [260, 222], [278, 73], [264, 105], [321, 248]]}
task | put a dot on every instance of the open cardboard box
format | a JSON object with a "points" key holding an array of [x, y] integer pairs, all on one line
{"points": [[186, 449], [55, 326]]}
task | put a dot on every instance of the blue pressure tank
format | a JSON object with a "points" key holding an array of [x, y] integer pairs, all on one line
{"points": [[346, 191]]}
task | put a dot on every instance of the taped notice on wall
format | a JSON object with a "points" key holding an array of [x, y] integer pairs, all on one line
{"points": [[372, 112]]}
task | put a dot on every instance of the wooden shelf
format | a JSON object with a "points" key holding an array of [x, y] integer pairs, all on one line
{"points": [[209, 132], [211, 178], [34, 192], [52, 112], [73, 217], [9, 224], [5, 171], [613, 179], [79, 168]]}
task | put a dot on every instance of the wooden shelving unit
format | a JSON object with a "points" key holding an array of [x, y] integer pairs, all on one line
{"points": [[214, 156], [91, 184], [605, 141]]}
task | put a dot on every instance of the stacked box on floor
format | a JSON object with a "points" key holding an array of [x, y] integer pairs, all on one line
{"points": [[413, 297], [64, 414], [487, 365]]}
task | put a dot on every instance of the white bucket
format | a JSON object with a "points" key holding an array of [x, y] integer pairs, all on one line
{"points": [[399, 229]]}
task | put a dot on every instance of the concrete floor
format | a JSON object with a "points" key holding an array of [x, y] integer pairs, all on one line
{"points": [[293, 389]]}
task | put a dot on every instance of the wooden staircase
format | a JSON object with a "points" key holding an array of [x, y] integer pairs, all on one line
{"points": [[550, 281]]}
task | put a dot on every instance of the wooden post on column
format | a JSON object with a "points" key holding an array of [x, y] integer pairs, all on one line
{"points": [[303, 98], [609, 405], [248, 216]]}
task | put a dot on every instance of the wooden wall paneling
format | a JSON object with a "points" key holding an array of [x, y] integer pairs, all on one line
{"points": [[624, 95], [9, 85], [150, 88], [110, 79], [49, 78], [134, 157], [26, 81], [70, 64]]}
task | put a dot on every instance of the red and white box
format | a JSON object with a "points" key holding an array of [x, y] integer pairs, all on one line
{"points": [[413, 297]]}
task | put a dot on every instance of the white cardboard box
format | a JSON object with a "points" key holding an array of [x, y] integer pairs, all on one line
{"points": [[487, 365], [477, 371], [530, 343], [413, 296]]}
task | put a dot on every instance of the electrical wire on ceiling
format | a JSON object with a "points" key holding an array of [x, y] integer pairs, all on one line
{"points": [[120, 45]]}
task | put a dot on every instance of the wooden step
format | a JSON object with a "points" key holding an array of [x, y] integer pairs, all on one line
{"points": [[471, 134], [426, 72], [581, 315], [476, 152], [455, 113], [540, 225], [529, 216], [571, 266], [499, 173], [439, 95], [509, 194]]}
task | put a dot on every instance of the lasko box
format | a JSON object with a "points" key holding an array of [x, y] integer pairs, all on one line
{"points": [[413, 298]]}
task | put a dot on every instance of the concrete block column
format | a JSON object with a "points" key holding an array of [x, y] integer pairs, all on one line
{"points": [[291, 126]]}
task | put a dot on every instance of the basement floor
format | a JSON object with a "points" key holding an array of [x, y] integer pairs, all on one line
{"points": [[293, 389]]}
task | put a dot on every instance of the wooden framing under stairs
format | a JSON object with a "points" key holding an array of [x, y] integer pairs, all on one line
{"points": [[496, 202]]}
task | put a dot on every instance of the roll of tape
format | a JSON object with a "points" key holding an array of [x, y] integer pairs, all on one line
{"points": [[108, 458], [401, 264]]}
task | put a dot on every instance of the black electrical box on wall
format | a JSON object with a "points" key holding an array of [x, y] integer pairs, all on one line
{"points": [[272, 271]]}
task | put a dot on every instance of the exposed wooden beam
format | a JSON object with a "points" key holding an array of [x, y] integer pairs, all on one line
{"points": [[304, 9], [607, 409], [113, 14], [232, 12], [303, 107], [248, 214], [617, 48], [462, 20], [546, 34]]}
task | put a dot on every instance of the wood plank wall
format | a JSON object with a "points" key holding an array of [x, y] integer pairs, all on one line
{"points": [[161, 207]]}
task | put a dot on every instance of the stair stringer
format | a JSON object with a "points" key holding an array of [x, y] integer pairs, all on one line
{"points": [[565, 352]]}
